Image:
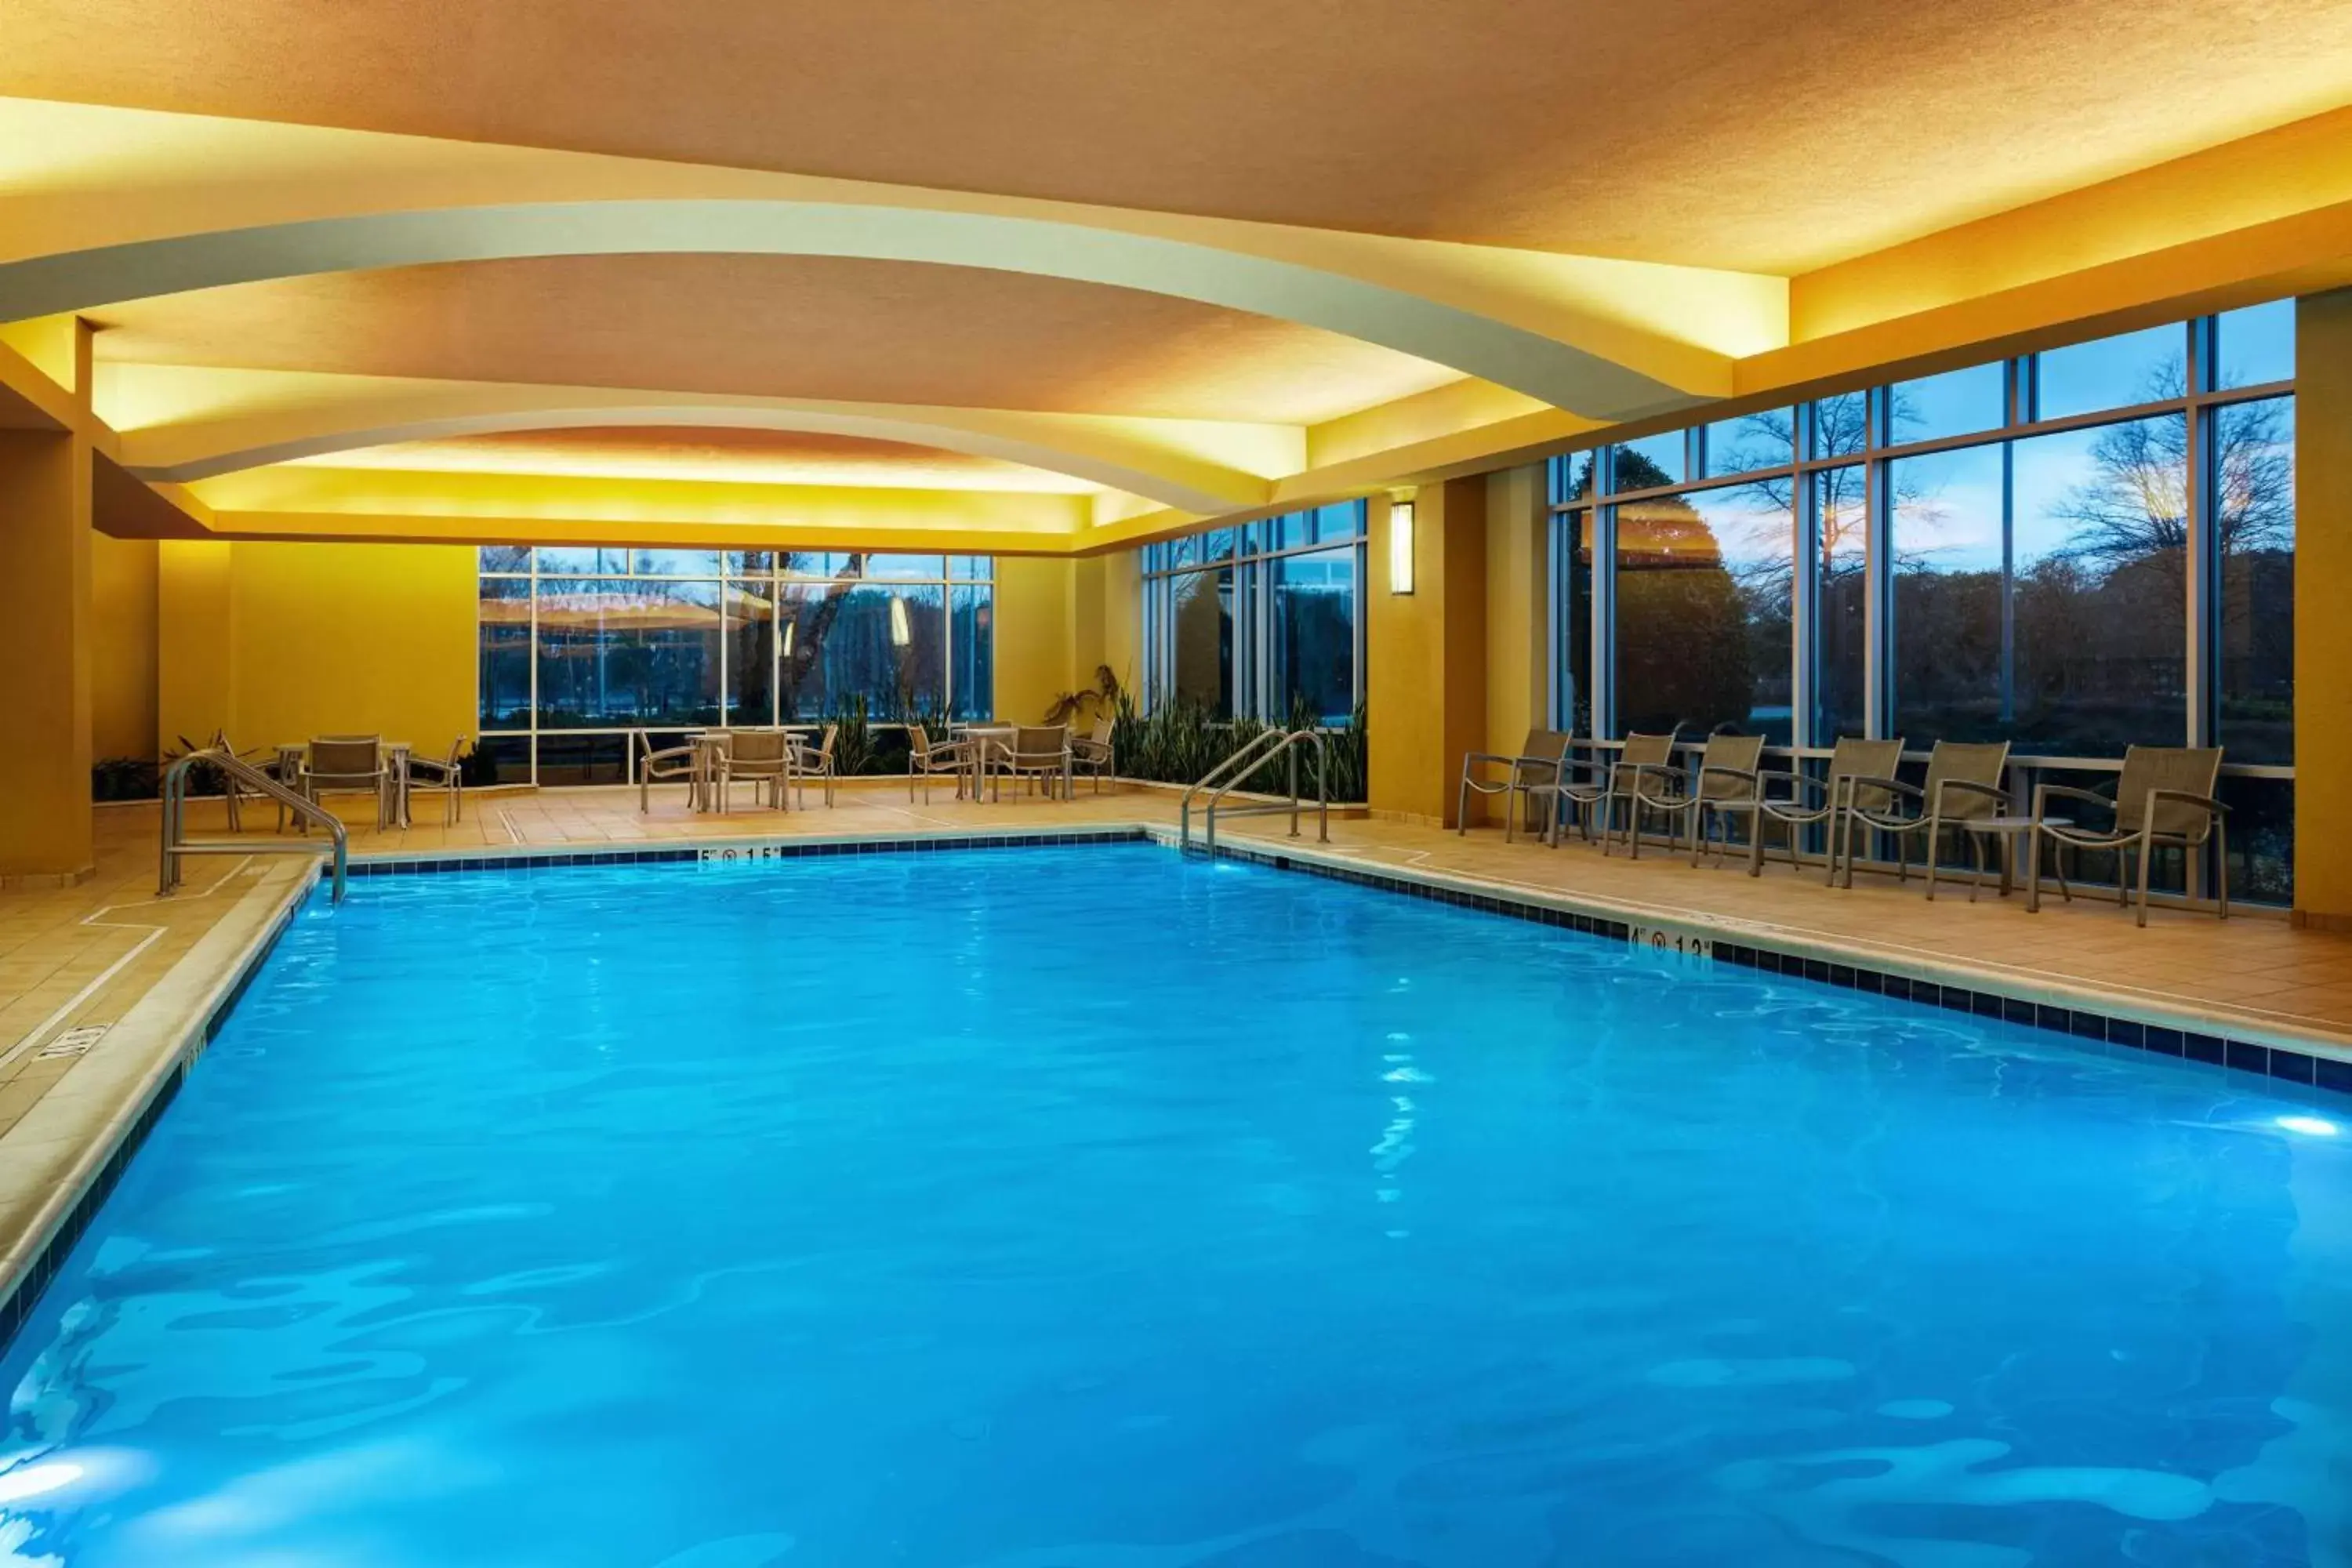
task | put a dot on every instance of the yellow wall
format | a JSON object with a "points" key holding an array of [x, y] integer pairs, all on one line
{"points": [[1035, 662], [279, 642], [45, 656], [123, 714], [2323, 638], [1425, 654]]}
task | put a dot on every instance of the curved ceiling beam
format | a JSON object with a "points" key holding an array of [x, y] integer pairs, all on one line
{"points": [[1121, 454], [1376, 302]]}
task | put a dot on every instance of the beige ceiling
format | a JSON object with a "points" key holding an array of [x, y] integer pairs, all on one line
{"points": [[1719, 132], [813, 327], [733, 457]]}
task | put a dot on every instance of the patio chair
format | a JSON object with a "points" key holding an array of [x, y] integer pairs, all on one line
{"points": [[1038, 752], [761, 756], [444, 777], [350, 763], [1722, 784], [1813, 799], [1092, 754], [1963, 782], [815, 762], [671, 764], [1542, 758], [926, 759], [1611, 784], [2164, 796]]}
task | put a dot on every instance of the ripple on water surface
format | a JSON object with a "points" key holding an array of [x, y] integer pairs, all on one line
{"points": [[1094, 1208]]}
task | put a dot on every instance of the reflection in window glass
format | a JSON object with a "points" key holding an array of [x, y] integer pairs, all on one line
{"points": [[1205, 639], [582, 561], [1652, 461], [971, 568], [1956, 403], [2112, 373], [1342, 519], [2256, 345], [2254, 469], [1839, 698], [628, 652], [1572, 475], [974, 640], [1571, 563], [1749, 442], [1315, 633], [504, 685], [847, 640], [751, 695], [1703, 614], [819, 564], [904, 568], [1947, 549], [1841, 425], [505, 558], [2101, 520], [673, 562]]}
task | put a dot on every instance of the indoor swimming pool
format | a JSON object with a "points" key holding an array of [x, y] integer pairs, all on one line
{"points": [[1101, 1207]]}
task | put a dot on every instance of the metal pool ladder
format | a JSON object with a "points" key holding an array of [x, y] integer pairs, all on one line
{"points": [[1227, 775], [236, 771]]}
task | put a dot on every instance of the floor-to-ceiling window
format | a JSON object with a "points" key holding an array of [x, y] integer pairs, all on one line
{"points": [[1263, 619], [2075, 551], [580, 647]]}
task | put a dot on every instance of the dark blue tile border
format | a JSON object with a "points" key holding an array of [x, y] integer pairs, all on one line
{"points": [[2244, 1055]]}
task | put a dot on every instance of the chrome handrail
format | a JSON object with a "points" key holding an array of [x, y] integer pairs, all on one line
{"points": [[237, 771], [1259, 747], [1255, 755]]}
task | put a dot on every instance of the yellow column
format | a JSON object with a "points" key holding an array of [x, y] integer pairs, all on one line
{"points": [[2322, 637], [45, 648], [1425, 654]]}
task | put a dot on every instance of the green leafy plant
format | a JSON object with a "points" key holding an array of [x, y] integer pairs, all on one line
{"points": [[1082, 708], [123, 778], [1181, 740]]}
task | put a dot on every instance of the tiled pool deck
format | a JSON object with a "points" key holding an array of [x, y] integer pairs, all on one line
{"points": [[2254, 992]]}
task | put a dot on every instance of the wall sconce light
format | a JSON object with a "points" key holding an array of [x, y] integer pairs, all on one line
{"points": [[901, 632], [1400, 544]]}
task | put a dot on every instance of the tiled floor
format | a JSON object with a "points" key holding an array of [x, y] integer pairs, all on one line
{"points": [[110, 952]]}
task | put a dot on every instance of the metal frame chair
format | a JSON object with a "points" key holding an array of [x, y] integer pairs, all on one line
{"points": [[445, 777], [1972, 768], [1851, 758], [1540, 761], [671, 764], [926, 759], [1725, 779], [761, 756], [2163, 796], [817, 764]]}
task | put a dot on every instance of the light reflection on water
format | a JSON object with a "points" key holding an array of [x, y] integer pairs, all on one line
{"points": [[1095, 1209]]}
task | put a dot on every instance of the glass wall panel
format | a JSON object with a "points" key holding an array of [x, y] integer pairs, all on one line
{"points": [[1698, 599], [1956, 403], [1755, 536], [583, 561], [507, 558], [905, 568], [1652, 461], [2253, 477], [503, 686], [1949, 596], [2111, 372], [1842, 617], [1572, 618], [572, 759], [751, 695], [628, 652], [1749, 442], [499, 760], [1841, 426], [1315, 633], [1342, 519], [674, 563], [2099, 533], [971, 568], [2256, 345], [1203, 666], [973, 640]]}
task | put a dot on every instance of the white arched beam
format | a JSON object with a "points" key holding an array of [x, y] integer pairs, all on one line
{"points": [[1119, 455], [1267, 281]]}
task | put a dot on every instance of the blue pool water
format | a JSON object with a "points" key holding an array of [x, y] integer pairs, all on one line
{"points": [[1094, 1208]]}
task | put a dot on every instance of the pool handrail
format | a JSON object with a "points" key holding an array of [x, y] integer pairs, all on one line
{"points": [[240, 771], [1228, 776]]}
